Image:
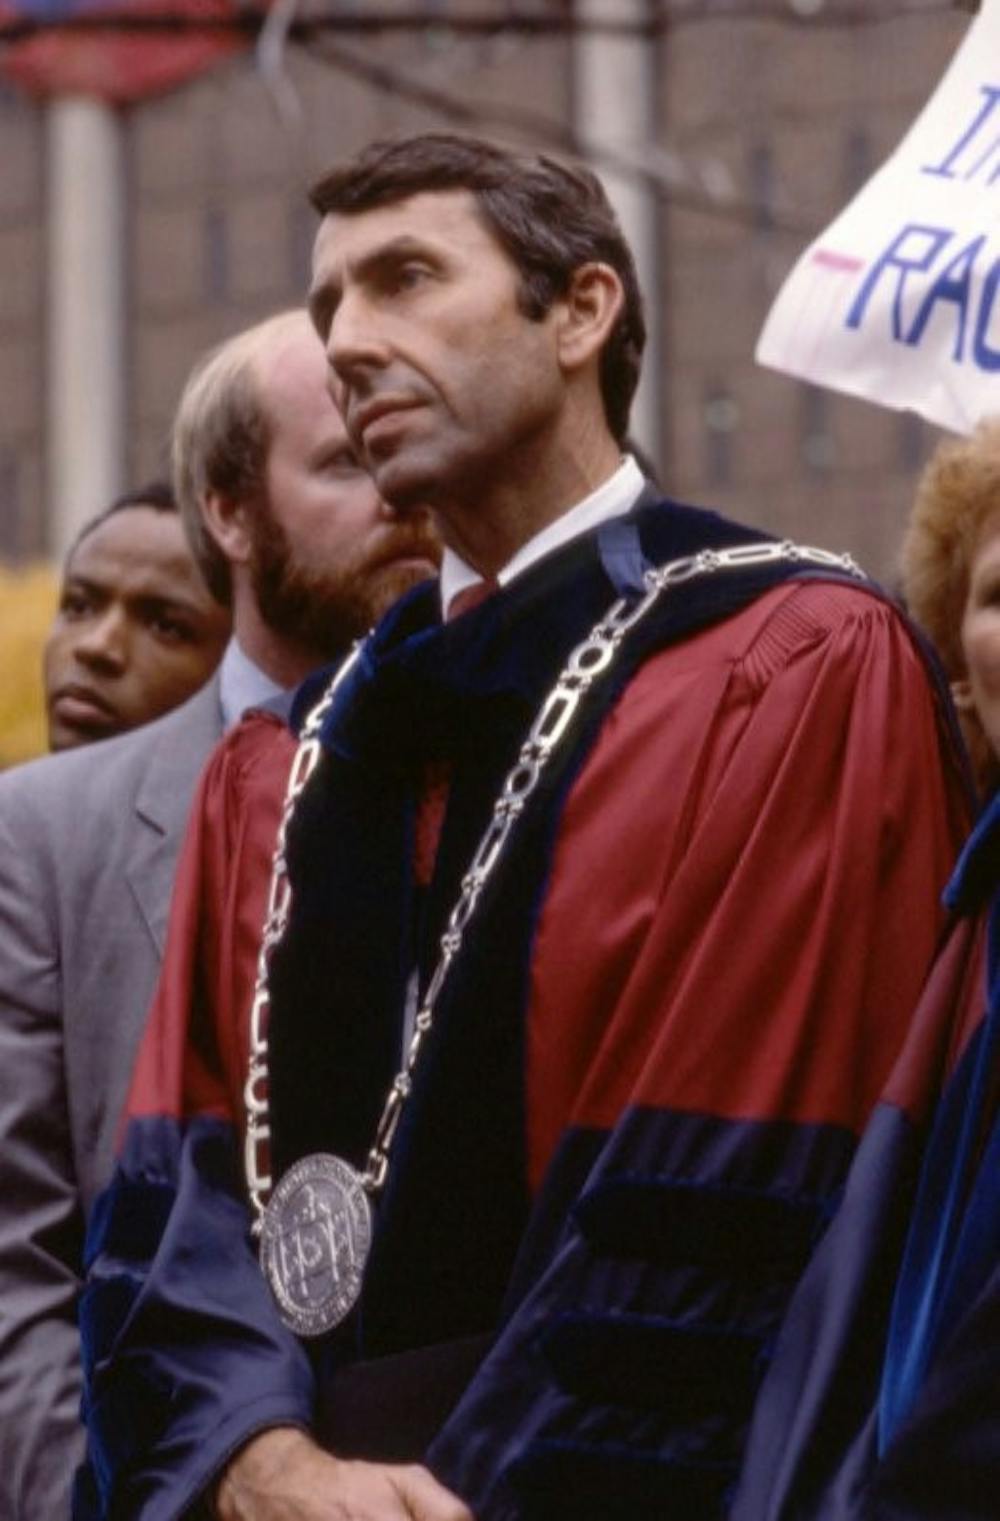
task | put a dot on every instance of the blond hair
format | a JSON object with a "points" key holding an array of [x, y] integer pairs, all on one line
{"points": [[221, 437]]}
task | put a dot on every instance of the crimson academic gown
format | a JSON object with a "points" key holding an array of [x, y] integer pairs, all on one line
{"points": [[646, 1082], [216, 914]]}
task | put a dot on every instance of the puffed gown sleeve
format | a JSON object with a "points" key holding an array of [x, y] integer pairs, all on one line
{"points": [[744, 903]]}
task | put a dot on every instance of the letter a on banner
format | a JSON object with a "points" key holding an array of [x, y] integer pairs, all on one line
{"points": [[897, 300]]}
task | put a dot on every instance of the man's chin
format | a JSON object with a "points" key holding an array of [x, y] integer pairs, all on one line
{"points": [[63, 736], [404, 479]]}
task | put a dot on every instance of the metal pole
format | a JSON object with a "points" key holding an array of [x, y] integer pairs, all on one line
{"points": [[86, 313], [615, 105]]}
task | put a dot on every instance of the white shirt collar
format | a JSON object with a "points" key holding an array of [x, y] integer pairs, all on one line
{"points": [[612, 499], [242, 684]]}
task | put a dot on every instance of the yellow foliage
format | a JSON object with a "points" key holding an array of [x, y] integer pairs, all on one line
{"points": [[28, 600]]}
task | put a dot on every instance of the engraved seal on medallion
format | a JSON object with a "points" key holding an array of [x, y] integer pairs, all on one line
{"points": [[315, 1240]]}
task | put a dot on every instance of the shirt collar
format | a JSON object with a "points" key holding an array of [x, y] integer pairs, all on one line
{"points": [[242, 684], [613, 498]]}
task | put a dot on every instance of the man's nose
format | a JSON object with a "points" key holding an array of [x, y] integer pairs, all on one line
{"points": [[103, 644], [355, 341]]}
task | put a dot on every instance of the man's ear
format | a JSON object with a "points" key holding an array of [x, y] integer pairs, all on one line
{"points": [[588, 312], [229, 524]]}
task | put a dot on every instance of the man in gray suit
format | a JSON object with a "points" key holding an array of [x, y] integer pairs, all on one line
{"points": [[291, 532]]}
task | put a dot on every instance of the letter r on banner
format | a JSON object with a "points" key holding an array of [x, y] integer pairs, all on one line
{"points": [[934, 240]]}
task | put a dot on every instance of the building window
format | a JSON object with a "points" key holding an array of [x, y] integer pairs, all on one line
{"points": [[216, 247], [858, 159], [721, 416], [817, 448], [911, 442], [760, 168], [302, 225], [11, 547]]}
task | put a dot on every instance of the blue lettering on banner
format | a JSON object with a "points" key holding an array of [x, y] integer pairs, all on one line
{"points": [[986, 358], [951, 166], [952, 284], [932, 239], [914, 252]]}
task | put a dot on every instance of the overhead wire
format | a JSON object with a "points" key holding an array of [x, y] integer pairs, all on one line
{"points": [[667, 174], [251, 18], [698, 185]]}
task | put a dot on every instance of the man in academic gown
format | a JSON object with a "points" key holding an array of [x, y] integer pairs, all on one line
{"points": [[640, 1051]]}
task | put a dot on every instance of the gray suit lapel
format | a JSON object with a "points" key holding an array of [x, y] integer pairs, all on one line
{"points": [[177, 748]]}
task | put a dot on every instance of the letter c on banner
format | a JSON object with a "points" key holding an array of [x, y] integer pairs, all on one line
{"points": [[986, 358]]}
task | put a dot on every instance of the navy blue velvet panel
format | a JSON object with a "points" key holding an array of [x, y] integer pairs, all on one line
{"points": [[646, 1361], [617, 1484], [129, 1217], [773, 1237], [184, 1354], [638, 1348], [813, 1436], [576, 1156]]}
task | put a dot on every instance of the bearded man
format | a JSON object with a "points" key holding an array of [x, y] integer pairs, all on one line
{"points": [[290, 532]]}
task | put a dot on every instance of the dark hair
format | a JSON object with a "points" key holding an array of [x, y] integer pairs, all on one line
{"points": [[156, 494], [549, 217]]}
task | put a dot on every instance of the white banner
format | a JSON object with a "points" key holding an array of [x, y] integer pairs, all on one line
{"points": [[899, 299]]}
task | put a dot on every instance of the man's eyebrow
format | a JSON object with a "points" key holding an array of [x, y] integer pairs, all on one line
{"points": [[163, 602], [73, 580], [325, 453], [323, 299], [403, 245]]}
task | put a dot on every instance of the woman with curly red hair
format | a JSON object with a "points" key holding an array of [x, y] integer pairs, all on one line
{"points": [[951, 581]]}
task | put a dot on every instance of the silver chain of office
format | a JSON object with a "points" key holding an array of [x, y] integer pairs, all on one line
{"points": [[316, 1230]]}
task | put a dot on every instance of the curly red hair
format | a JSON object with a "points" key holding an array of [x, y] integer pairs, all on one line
{"points": [[958, 493], [957, 503]]}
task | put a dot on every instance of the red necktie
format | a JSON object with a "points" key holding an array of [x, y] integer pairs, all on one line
{"points": [[437, 773], [469, 597]]}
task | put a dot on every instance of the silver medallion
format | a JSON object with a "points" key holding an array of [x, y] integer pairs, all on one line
{"points": [[315, 1239]]}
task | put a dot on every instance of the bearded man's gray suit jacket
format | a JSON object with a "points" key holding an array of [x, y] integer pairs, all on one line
{"points": [[88, 845]]}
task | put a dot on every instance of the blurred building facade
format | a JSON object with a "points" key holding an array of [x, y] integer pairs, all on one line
{"points": [[788, 112]]}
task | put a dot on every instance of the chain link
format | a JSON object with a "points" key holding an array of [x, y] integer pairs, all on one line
{"points": [[256, 1144], [586, 663]]}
